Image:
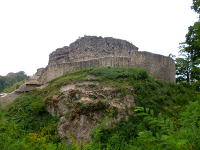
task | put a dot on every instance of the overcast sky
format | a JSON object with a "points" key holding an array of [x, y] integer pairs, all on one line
{"points": [[31, 29]]}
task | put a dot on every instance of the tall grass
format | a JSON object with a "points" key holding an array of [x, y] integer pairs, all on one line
{"points": [[166, 116]]}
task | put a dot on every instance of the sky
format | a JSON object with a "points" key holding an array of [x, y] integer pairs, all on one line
{"points": [[31, 29]]}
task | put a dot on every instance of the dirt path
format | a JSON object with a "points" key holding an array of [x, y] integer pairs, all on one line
{"points": [[7, 99]]}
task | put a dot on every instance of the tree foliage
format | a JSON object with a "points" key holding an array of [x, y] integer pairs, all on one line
{"points": [[188, 66], [183, 70], [11, 78], [196, 6], [166, 116]]}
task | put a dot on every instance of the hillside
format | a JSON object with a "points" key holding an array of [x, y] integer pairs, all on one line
{"points": [[11, 79], [103, 108]]}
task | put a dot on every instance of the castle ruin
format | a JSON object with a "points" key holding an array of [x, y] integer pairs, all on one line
{"points": [[92, 51]]}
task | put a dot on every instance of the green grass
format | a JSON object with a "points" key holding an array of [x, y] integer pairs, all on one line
{"points": [[166, 116], [119, 73], [13, 87]]}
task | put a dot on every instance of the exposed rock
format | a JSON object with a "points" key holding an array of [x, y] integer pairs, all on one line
{"points": [[37, 74], [82, 106], [32, 83], [90, 47], [28, 86]]}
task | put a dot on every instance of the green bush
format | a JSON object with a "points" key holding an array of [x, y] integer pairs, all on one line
{"points": [[116, 73], [13, 87], [166, 116]]}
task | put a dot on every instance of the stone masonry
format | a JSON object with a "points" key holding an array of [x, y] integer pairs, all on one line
{"points": [[92, 51]]}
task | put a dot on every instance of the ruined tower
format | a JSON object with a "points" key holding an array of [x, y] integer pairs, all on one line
{"points": [[92, 51]]}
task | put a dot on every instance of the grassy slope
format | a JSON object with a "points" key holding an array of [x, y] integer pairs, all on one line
{"points": [[13, 87], [11, 79], [166, 115]]}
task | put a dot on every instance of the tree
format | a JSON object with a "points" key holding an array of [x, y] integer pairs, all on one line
{"points": [[183, 70], [11, 78], [188, 66], [196, 6]]}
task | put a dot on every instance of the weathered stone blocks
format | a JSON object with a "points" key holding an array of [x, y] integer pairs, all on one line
{"points": [[92, 51]]}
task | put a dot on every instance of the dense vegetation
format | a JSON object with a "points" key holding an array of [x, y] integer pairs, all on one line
{"points": [[11, 79], [188, 65], [166, 116]]}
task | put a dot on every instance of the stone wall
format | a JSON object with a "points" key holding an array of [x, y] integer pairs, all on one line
{"points": [[91, 51], [91, 47], [164, 70], [161, 67]]}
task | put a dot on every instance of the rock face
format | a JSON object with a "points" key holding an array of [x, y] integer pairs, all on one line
{"points": [[90, 47], [28, 86], [92, 51], [83, 105], [37, 75]]}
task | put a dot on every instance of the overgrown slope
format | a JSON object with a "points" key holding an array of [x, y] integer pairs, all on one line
{"points": [[7, 82], [166, 116]]}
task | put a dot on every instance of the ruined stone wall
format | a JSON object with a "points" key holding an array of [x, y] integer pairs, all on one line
{"points": [[90, 51], [160, 67], [91, 47]]}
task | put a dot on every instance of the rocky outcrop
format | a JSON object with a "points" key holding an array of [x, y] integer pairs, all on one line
{"points": [[92, 51], [37, 75], [28, 86], [90, 47], [83, 105]]}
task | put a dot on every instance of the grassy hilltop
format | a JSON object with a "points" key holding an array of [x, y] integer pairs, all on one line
{"points": [[165, 115]]}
